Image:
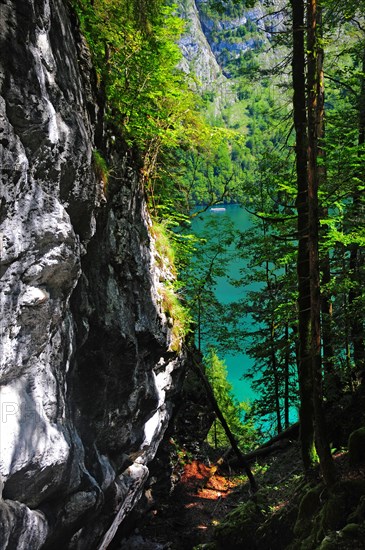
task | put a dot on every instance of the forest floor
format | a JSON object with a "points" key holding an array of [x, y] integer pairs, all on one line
{"points": [[205, 494]]}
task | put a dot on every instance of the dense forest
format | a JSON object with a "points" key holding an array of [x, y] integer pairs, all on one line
{"points": [[287, 143]]}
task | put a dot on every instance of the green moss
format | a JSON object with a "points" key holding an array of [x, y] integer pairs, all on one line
{"points": [[358, 515], [164, 249], [352, 530], [277, 531], [329, 543], [356, 446], [310, 543], [238, 530], [330, 519], [308, 507], [343, 500], [333, 514], [351, 537], [101, 168], [177, 315]]}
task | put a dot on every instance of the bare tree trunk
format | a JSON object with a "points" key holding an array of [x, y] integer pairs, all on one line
{"points": [[357, 260], [276, 377], [286, 377], [332, 382], [315, 125], [304, 298]]}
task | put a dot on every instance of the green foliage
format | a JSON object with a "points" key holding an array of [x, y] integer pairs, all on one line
{"points": [[211, 172], [101, 168], [178, 316], [179, 456], [271, 308], [136, 57], [226, 9], [164, 248], [238, 529], [233, 411], [208, 262]]}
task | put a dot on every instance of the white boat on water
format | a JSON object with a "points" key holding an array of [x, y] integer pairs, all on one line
{"points": [[217, 209]]}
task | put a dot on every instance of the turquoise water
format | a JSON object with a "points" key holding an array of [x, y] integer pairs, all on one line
{"points": [[237, 363]]}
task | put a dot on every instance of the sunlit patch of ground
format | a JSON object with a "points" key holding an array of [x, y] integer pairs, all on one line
{"points": [[205, 494], [203, 480]]}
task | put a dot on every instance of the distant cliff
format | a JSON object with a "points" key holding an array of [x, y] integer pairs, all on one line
{"points": [[199, 59], [213, 40], [87, 374]]}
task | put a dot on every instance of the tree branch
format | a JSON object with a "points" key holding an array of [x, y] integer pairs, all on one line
{"points": [[240, 457]]}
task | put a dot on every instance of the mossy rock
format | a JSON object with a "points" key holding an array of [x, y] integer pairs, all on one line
{"points": [[277, 530], [323, 513], [353, 531], [342, 505], [358, 516], [308, 507], [238, 529], [351, 537], [334, 513], [329, 543], [356, 446]]}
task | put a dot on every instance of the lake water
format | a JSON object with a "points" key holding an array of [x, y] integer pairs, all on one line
{"points": [[238, 363]]}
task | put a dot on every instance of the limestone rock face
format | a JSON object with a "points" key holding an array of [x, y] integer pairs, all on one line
{"points": [[267, 14], [86, 375], [195, 48], [199, 59]]}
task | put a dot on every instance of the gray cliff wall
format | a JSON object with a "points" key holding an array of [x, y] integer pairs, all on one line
{"points": [[198, 57], [86, 375], [199, 60]]}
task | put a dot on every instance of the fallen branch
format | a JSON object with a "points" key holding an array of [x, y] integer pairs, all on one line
{"points": [[276, 443], [242, 462], [290, 433], [267, 450]]}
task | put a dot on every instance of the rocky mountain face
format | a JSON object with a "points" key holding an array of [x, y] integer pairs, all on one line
{"points": [[212, 40], [199, 59], [87, 374]]}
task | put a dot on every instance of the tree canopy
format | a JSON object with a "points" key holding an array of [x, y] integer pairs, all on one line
{"points": [[290, 149]]}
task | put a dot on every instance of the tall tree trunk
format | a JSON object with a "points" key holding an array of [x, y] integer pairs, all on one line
{"points": [[332, 382], [357, 259], [304, 302], [276, 377], [346, 329], [315, 126], [286, 377]]}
